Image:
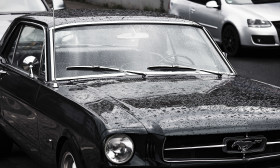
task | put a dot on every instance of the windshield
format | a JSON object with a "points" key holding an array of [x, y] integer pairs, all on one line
{"points": [[133, 47], [24, 6], [241, 2]]}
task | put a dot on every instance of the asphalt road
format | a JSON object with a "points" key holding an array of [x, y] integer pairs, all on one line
{"points": [[262, 65]]}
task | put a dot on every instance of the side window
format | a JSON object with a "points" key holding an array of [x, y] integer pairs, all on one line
{"points": [[30, 43], [10, 47]]}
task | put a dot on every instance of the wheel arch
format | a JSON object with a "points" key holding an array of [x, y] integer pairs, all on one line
{"points": [[229, 24], [67, 136]]}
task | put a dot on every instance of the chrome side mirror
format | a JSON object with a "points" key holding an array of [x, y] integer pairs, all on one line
{"points": [[212, 4], [28, 63], [58, 4]]}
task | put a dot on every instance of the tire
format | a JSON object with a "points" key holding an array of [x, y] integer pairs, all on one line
{"points": [[6, 144], [231, 41], [69, 157]]}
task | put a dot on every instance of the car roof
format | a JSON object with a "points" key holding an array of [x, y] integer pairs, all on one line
{"points": [[75, 16]]}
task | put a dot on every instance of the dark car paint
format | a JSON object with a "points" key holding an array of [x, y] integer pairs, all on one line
{"points": [[181, 106], [86, 112]]}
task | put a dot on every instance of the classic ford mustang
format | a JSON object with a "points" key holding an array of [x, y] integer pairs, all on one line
{"points": [[130, 89]]}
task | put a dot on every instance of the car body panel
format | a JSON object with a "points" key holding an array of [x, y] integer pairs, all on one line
{"points": [[175, 110]]}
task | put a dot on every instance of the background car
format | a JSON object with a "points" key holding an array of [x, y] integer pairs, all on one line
{"points": [[10, 9], [234, 23], [113, 88]]}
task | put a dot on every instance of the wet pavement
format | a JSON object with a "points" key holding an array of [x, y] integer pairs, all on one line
{"points": [[262, 65]]}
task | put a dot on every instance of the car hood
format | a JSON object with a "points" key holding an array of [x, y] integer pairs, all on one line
{"points": [[5, 21], [181, 106], [269, 11]]}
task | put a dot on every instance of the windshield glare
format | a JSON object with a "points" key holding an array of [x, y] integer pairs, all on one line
{"points": [[133, 47], [242, 2], [11, 6]]}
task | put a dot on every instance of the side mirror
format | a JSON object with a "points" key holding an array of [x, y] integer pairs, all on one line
{"points": [[28, 63], [58, 4], [212, 4]]}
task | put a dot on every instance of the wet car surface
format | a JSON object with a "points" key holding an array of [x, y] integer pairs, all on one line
{"points": [[121, 99]]}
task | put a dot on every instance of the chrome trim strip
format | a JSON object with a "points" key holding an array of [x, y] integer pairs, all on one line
{"points": [[221, 160], [210, 146], [124, 22], [195, 147], [207, 25], [51, 55], [272, 143], [216, 160], [116, 74], [277, 87]]}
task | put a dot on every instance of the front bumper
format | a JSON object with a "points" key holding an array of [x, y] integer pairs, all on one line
{"points": [[260, 37]]}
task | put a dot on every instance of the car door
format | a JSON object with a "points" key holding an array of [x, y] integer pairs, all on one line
{"points": [[208, 17], [180, 8], [19, 88]]}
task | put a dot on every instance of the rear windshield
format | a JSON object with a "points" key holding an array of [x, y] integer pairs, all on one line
{"points": [[24, 6], [241, 2]]}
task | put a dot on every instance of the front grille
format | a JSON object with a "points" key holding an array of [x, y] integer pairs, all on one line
{"points": [[277, 26], [210, 147]]}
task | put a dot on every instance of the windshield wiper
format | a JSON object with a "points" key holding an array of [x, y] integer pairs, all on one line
{"points": [[103, 68], [170, 68], [181, 68]]}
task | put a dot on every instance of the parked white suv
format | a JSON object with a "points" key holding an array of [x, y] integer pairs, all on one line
{"points": [[234, 23]]}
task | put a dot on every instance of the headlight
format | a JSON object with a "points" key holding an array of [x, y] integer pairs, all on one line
{"points": [[258, 23], [119, 148]]}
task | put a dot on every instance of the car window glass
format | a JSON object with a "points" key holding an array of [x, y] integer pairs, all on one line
{"points": [[30, 43], [10, 46]]}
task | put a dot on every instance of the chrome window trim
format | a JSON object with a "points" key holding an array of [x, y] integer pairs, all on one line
{"points": [[124, 22], [44, 30], [117, 74], [52, 59], [220, 52]]}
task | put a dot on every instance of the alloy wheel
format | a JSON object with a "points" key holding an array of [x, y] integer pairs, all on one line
{"points": [[68, 161]]}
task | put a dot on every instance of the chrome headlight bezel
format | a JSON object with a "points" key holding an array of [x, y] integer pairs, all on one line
{"points": [[122, 143], [258, 23]]}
